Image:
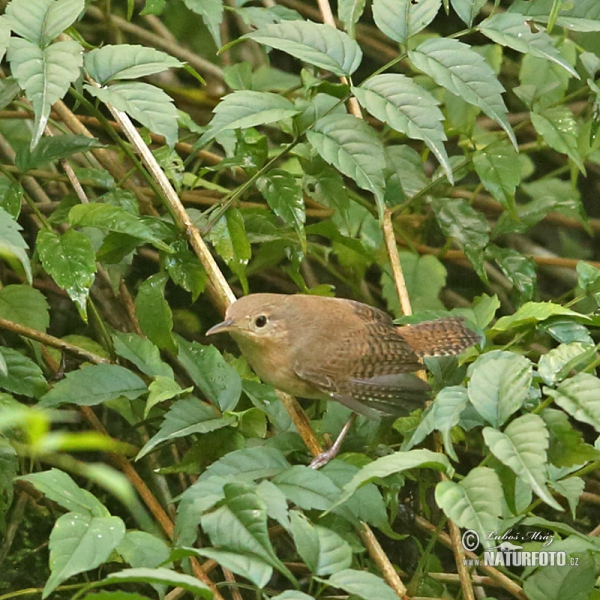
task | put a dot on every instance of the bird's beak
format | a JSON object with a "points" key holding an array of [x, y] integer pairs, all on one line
{"points": [[221, 327]]}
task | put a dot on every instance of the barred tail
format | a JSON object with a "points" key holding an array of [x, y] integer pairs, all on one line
{"points": [[442, 337]]}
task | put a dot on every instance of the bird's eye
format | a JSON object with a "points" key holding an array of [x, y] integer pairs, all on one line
{"points": [[260, 321]]}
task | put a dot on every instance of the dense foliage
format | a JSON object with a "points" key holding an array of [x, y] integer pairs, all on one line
{"points": [[158, 155]]}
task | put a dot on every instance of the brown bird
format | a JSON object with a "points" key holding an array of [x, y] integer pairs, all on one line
{"points": [[336, 349]]}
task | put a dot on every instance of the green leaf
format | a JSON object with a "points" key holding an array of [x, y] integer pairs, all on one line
{"points": [[283, 193], [142, 353], [184, 418], [320, 45], [401, 19], [459, 220], [499, 170], [162, 389], [59, 487], [582, 15], [447, 408], [79, 543], [558, 128], [12, 244], [362, 584], [246, 108], [125, 61], [473, 503], [240, 525], [70, 260], [24, 376], [567, 447], [349, 12], [93, 385], [531, 313], [467, 10], [154, 313], [252, 568], [307, 488], [425, 276], [45, 75], [11, 197], [499, 385], [160, 576], [211, 373], [580, 397], [25, 305], [211, 12], [9, 468], [141, 549], [513, 30], [457, 68], [114, 218], [143, 102], [395, 463], [50, 149], [551, 365], [292, 595], [323, 550], [353, 147], [522, 447], [575, 582], [408, 108], [519, 269], [185, 269], [41, 21]]}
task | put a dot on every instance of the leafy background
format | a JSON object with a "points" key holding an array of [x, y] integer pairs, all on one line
{"points": [[161, 158]]}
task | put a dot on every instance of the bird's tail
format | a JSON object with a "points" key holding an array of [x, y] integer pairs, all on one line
{"points": [[442, 337]]}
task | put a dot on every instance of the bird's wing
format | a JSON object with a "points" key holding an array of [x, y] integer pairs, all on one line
{"points": [[366, 367]]}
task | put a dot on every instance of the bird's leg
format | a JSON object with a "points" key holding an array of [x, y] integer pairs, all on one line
{"points": [[322, 459]]}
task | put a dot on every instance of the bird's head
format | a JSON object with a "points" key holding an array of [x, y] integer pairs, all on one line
{"points": [[256, 317]]}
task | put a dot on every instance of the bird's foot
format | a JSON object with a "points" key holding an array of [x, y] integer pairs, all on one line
{"points": [[322, 459]]}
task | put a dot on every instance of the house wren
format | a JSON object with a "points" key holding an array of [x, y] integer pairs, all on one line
{"points": [[316, 347]]}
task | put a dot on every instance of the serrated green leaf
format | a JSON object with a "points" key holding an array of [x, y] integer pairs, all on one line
{"points": [[474, 502], [551, 365], [558, 128], [464, 73], [142, 549], [142, 353], [23, 375], [126, 61], [349, 12], [448, 406], [323, 550], [143, 102], [408, 108], [283, 193], [12, 244], [211, 12], [353, 147], [500, 172], [467, 10], [240, 525], [45, 75], [93, 385], [50, 149], [499, 385], [59, 487], [401, 19], [583, 15], [70, 260], [79, 543], [320, 45], [523, 447], [40, 21], [25, 305], [246, 108], [580, 397], [114, 218], [519, 269], [161, 576], [513, 30], [154, 313], [362, 584], [211, 373], [395, 463]]}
